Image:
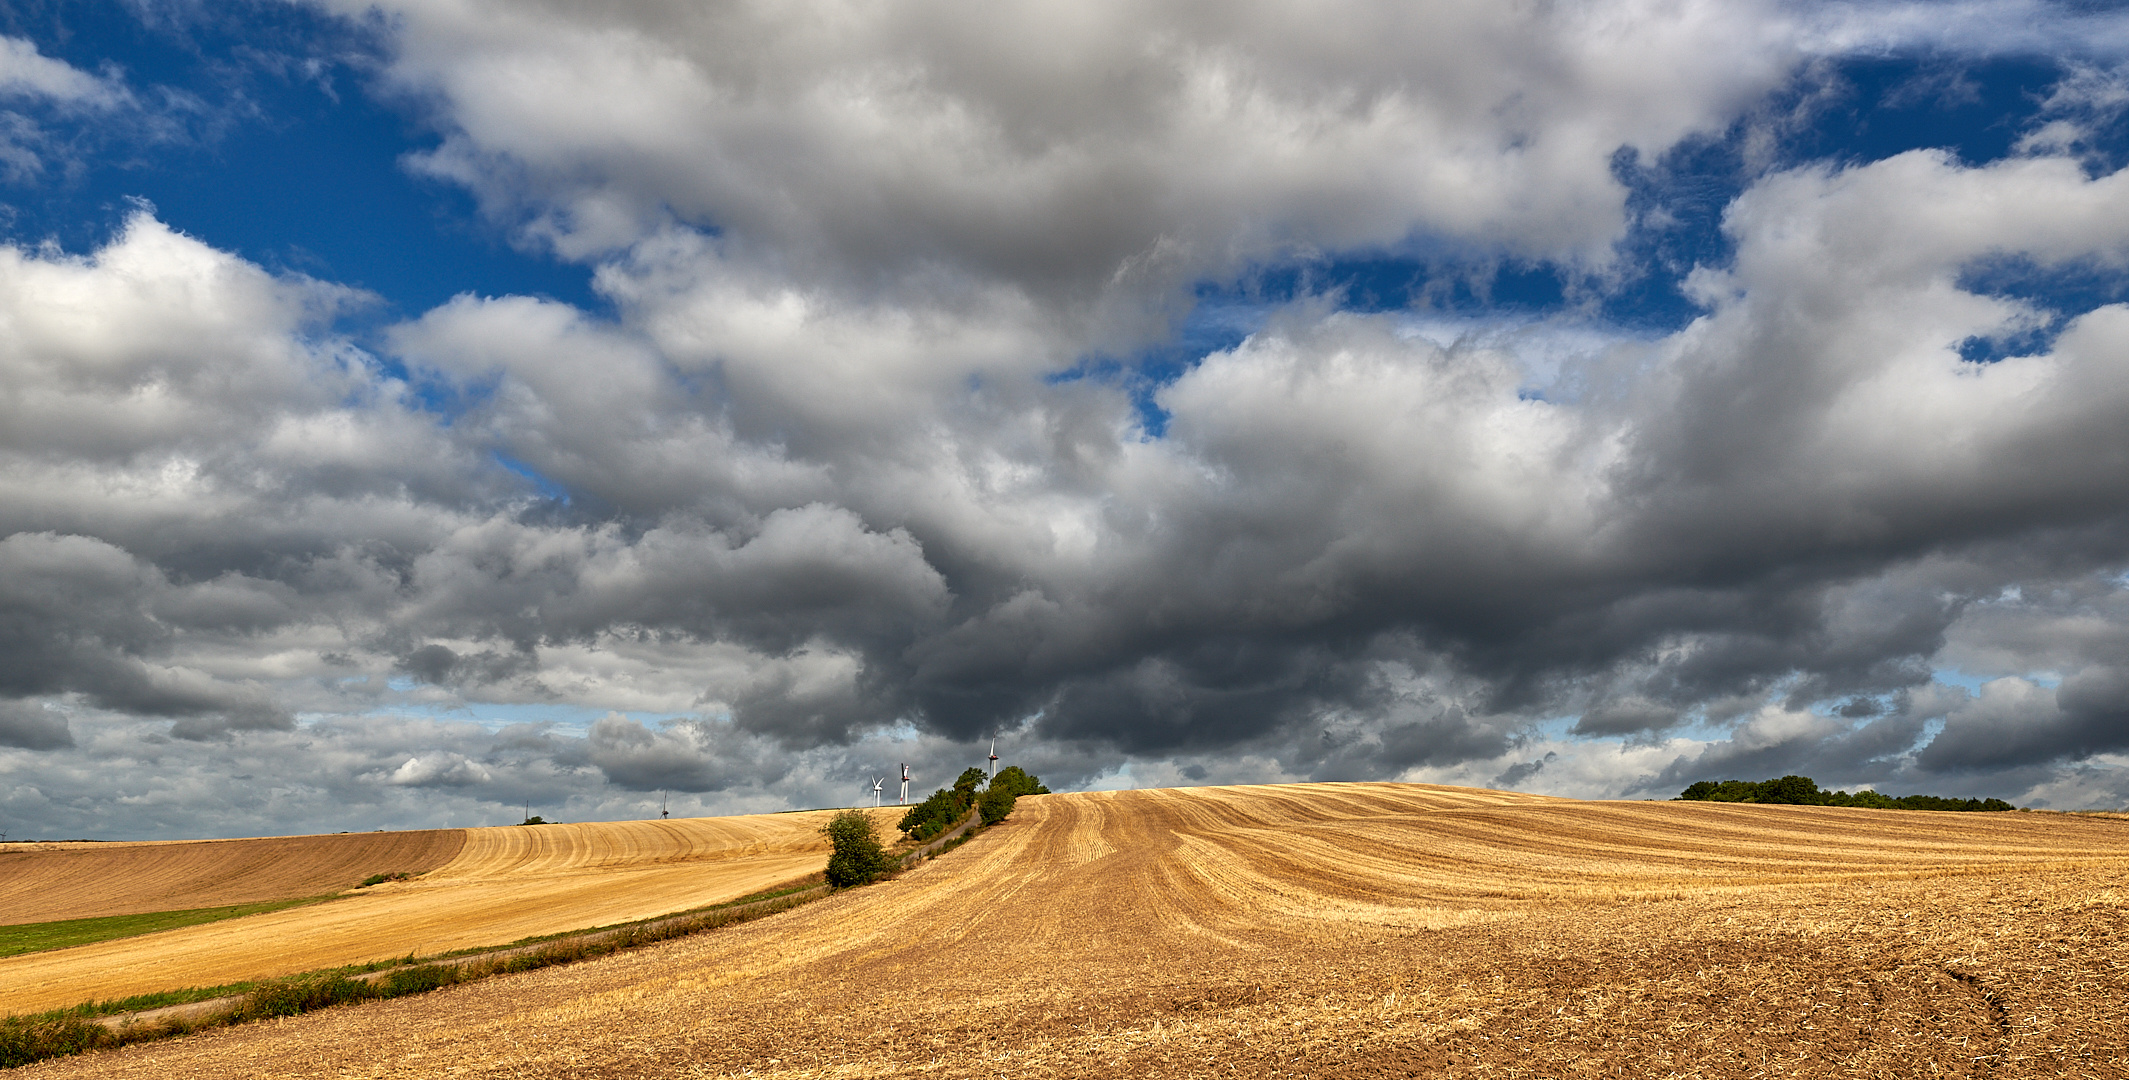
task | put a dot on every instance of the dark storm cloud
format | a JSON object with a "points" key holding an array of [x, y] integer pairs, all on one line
{"points": [[2014, 722], [683, 755], [437, 664], [32, 727], [78, 616]]}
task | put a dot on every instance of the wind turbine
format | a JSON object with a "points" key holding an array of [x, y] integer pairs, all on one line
{"points": [[905, 786], [663, 813], [876, 784], [994, 758]]}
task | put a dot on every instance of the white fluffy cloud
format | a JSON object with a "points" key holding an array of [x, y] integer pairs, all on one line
{"points": [[1094, 155], [840, 476]]}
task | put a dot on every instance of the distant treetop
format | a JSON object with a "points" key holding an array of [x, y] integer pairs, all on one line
{"points": [[1796, 790]]}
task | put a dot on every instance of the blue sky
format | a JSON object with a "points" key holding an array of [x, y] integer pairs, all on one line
{"points": [[702, 405]]}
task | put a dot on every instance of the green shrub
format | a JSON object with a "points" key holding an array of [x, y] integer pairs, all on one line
{"points": [[1016, 780], [941, 811], [27, 1039], [995, 804], [857, 858], [302, 996], [419, 980]]}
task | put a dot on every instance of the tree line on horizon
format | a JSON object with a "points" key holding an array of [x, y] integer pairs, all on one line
{"points": [[1796, 790]]}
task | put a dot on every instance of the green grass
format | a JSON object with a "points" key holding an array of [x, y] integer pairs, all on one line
{"points": [[144, 1002], [60, 1032], [67, 933]]}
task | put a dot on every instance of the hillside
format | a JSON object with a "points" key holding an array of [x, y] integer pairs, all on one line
{"points": [[501, 884], [1350, 930], [40, 882]]}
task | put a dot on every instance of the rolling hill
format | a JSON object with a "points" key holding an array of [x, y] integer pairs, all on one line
{"points": [[481, 887], [1337, 930]]}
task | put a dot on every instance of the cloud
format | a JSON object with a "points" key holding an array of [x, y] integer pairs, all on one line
{"points": [[30, 727], [683, 755], [47, 106], [863, 459], [919, 146], [438, 770], [24, 71], [2015, 722]]}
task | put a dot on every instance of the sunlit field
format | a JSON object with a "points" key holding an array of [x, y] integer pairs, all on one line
{"points": [[1347, 930], [476, 887]]}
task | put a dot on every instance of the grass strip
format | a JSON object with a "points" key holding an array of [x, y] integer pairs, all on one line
{"points": [[59, 1033], [66, 933], [38, 1037], [189, 995]]}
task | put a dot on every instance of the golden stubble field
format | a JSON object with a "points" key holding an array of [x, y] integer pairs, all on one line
{"points": [[1348, 930], [482, 887], [42, 882]]}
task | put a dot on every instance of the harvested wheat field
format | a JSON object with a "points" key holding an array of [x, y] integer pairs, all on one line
{"points": [[503, 884], [1343, 930], [41, 882]]}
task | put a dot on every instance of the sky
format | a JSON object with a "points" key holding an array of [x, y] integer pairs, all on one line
{"points": [[419, 414]]}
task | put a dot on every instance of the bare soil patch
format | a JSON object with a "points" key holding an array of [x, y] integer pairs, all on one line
{"points": [[1333, 931], [46, 882]]}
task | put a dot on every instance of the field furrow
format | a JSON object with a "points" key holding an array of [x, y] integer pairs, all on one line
{"points": [[503, 884], [43, 882], [1366, 930]]}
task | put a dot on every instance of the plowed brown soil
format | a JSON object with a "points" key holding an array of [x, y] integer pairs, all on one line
{"points": [[504, 884], [43, 882], [1333, 931]]}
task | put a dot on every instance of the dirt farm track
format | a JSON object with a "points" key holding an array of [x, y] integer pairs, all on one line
{"points": [[1337, 930]]}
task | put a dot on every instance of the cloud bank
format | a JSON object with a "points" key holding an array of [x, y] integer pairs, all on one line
{"points": [[879, 448]]}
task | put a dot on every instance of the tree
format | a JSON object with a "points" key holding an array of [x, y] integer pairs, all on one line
{"points": [[1804, 791], [936, 814], [857, 858], [1793, 790], [1016, 780], [970, 779], [995, 804]]}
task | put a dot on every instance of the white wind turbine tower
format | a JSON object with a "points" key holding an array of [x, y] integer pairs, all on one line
{"points": [[905, 787], [994, 758], [876, 784]]}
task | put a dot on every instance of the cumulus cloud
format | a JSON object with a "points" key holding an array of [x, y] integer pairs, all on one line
{"points": [[438, 770], [840, 476], [918, 145]]}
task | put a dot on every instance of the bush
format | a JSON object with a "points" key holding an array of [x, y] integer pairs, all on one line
{"points": [[858, 858], [1016, 780], [29, 1039], [995, 805], [419, 980], [292, 998], [937, 813]]}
